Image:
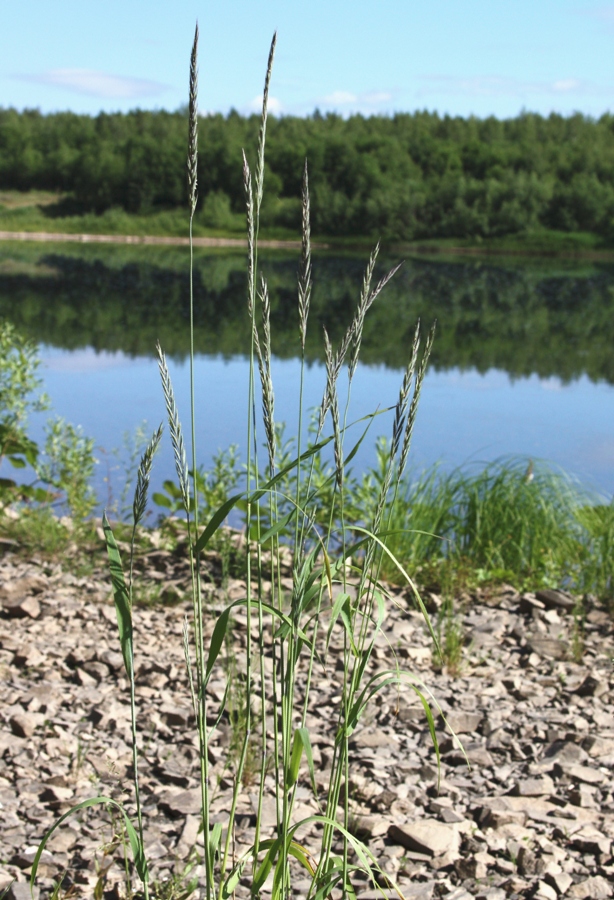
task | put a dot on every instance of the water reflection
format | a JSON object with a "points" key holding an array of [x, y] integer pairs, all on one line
{"points": [[539, 319]]}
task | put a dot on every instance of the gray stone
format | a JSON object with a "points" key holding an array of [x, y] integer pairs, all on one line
{"points": [[598, 745], [534, 787], [548, 648], [596, 888], [560, 881], [24, 724], [526, 862], [590, 840], [463, 722], [181, 803], [20, 890], [555, 599], [22, 607], [426, 836], [545, 892]]}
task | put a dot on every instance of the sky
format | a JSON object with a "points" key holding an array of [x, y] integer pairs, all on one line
{"points": [[456, 57]]}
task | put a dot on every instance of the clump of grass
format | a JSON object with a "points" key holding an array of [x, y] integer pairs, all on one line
{"points": [[282, 501], [451, 637], [529, 524]]}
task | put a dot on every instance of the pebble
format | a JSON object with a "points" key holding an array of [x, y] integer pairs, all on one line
{"points": [[532, 818]]}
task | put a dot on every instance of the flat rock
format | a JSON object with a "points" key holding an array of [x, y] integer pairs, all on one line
{"points": [[427, 836], [596, 888], [21, 607], [181, 803], [534, 787], [549, 648], [555, 599], [20, 890], [24, 724], [462, 722]]}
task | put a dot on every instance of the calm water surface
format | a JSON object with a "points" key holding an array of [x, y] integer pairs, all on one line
{"points": [[523, 361]]}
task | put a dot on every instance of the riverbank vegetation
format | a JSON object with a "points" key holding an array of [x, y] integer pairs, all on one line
{"points": [[528, 184]]}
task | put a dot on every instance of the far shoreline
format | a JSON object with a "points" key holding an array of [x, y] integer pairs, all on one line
{"points": [[427, 248]]}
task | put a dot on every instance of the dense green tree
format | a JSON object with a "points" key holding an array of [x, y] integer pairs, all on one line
{"points": [[403, 177]]}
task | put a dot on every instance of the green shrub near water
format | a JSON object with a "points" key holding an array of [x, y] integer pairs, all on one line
{"points": [[512, 520]]}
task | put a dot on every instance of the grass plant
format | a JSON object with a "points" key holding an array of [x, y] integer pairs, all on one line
{"points": [[309, 523], [285, 532]]}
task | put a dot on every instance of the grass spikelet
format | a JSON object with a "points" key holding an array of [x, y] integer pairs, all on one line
{"points": [[193, 127], [304, 278], [367, 297], [143, 476], [401, 408], [413, 409], [249, 205], [262, 136], [263, 351], [332, 371], [181, 463]]}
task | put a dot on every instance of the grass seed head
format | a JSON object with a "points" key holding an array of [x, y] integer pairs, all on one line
{"points": [[193, 127]]}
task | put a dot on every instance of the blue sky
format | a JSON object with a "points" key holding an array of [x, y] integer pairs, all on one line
{"points": [[462, 57]]}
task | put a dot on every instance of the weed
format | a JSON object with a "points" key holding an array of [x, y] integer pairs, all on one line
{"points": [[451, 637], [577, 632]]}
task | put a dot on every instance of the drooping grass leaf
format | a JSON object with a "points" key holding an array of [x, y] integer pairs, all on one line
{"points": [[121, 596], [136, 847]]}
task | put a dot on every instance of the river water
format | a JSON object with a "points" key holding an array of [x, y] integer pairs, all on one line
{"points": [[523, 361]]}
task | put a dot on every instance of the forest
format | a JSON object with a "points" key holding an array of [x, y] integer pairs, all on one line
{"points": [[405, 177]]}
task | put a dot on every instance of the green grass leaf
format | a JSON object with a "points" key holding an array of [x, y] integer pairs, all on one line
{"points": [[121, 596]]}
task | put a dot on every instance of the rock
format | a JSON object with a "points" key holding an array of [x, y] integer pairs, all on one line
{"points": [[590, 840], [592, 687], [55, 794], [21, 890], [534, 787], [596, 888], [25, 857], [22, 607], [24, 724], [189, 836], [562, 752], [584, 774], [560, 881], [463, 722], [549, 648], [598, 745], [526, 862], [29, 655], [181, 803], [545, 892], [426, 836], [556, 599]]}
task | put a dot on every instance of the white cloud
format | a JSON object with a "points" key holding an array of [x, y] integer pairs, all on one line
{"points": [[340, 98], [376, 98], [98, 84], [494, 85], [347, 102], [274, 106], [566, 84]]}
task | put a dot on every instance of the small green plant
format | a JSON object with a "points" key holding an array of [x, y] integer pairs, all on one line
{"points": [[577, 631], [19, 395], [451, 637], [69, 467]]}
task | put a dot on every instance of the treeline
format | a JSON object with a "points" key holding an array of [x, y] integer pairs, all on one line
{"points": [[404, 177]]}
